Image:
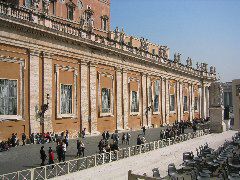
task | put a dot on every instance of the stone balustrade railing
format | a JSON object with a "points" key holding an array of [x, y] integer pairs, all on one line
{"points": [[69, 28]]}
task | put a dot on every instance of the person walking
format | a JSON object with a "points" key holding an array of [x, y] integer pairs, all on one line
{"points": [[24, 137], [144, 130], [124, 139], [59, 151], [64, 150], [51, 156], [82, 148], [43, 156], [128, 137], [67, 138], [32, 138], [104, 135], [107, 135]]}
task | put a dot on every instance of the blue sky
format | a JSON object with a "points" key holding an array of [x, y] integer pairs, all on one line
{"points": [[205, 30]]}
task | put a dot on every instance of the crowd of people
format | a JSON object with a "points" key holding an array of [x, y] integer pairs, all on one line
{"points": [[109, 142]]}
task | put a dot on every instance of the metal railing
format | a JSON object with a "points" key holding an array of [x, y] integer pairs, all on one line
{"points": [[64, 168]]}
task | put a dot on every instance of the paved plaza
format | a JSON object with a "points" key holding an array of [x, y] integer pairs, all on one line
{"points": [[25, 157], [144, 163]]}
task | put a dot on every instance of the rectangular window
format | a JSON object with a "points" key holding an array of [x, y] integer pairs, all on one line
{"points": [[172, 102], [8, 97], [104, 24], [27, 3], [185, 103], [106, 100], [66, 99], [156, 96], [70, 13], [135, 104], [153, 51], [196, 103]]}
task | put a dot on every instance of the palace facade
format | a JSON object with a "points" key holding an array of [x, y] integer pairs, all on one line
{"points": [[61, 67]]}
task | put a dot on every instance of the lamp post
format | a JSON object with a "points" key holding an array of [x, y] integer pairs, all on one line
{"points": [[44, 108]]}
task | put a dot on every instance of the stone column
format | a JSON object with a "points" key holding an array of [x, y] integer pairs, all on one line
{"points": [[84, 97], [167, 101], [178, 102], [125, 99], [163, 90], [93, 98], [181, 99], [34, 91], [190, 101], [149, 94], [47, 89], [207, 101], [119, 99], [200, 101], [203, 101], [144, 99]]}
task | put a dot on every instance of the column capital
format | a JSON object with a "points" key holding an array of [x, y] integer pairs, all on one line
{"points": [[34, 52]]}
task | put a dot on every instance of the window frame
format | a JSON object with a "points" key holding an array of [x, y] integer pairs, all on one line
{"points": [[68, 14], [110, 103], [72, 102], [154, 90], [13, 116], [197, 105], [170, 100], [134, 113], [185, 104]]}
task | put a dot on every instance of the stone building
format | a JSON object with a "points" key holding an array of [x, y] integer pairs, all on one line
{"points": [[61, 57], [236, 103]]}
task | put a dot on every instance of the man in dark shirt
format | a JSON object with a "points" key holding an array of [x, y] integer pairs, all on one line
{"points": [[43, 156]]}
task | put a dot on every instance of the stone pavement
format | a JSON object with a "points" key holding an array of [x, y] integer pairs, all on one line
{"points": [[26, 157]]}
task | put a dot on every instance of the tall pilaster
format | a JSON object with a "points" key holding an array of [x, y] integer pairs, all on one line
{"points": [[181, 99], [93, 99], [149, 94], [84, 97], [125, 99], [47, 89], [167, 89], [163, 84], [203, 99], [144, 99], [200, 101], [190, 101], [34, 91], [178, 102], [207, 101], [119, 99]]}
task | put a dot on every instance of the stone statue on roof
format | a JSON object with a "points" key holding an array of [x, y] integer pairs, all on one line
{"points": [[90, 24], [144, 44], [46, 4], [204, 67], [82, 21], [122, 36], [177, 58], [116, 34], [212, 70], [35, 4], [189, 62]]}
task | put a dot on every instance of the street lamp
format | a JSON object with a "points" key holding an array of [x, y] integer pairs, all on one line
{"points": [[44, 108]]}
